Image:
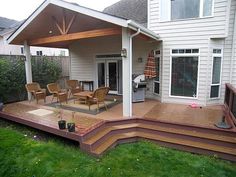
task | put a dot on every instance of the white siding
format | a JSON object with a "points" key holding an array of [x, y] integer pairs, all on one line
{"points": [[189, 33], [83, 54]]}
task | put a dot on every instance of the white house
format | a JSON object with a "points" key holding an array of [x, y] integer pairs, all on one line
{"points": [[192, 41], [7, 27]]}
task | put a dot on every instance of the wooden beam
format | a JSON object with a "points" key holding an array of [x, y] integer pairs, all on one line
{"points": [[70, 23], [57, 25], [76, 36]]}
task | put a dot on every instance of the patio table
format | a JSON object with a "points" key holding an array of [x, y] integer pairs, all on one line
{"points": [[83, 96]]}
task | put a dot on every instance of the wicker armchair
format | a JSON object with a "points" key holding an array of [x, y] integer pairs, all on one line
{"points": [[73, 86], [98, 96], [57, 92], [36, 91]]}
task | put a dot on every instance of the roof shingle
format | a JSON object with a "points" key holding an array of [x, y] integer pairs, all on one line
{"points": [[129, 9]]}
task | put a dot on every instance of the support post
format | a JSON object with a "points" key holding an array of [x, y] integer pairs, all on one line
{"points": [[28, 69], [127, 74]]}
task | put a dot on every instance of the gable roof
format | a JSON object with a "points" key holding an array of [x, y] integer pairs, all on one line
{"points": [[130, 9], [85, 11]]}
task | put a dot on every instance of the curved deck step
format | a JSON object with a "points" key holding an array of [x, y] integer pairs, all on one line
{"points": [[114, 138], [140, 126]]}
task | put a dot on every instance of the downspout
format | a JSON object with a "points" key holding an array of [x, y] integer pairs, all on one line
{"points": [[232, 52], [131, 65]]}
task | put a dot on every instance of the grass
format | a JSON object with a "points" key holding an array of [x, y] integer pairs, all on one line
{"points": [[25, 152]]}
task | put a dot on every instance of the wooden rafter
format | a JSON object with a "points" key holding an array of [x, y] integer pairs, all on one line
{"points": [[64, 28], [76, 36]]}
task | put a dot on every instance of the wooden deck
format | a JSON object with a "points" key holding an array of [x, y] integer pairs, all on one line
{"points": [[172, 125]]}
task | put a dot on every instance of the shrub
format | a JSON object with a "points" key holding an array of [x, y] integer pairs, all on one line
{"points": [[12, 76]]}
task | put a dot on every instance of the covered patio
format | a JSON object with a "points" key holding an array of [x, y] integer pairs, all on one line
{"points": [[89, 35]]}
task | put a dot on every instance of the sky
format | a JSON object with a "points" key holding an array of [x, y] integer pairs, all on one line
{"points": [[21, 9]]}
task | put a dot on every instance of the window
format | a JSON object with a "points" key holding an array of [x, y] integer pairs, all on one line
{"points": [[181, 9], [216, 73], [157, 79], [39, 53], [184, 73], [184, 9], [22, 50], [62, 53]]}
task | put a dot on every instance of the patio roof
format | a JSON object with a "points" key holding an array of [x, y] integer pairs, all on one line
{"points": [[56, 23]]}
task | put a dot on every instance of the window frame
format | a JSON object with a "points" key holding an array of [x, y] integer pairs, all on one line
{"points": [[198, 72], [167, 10], [159, 81], [212, 64]]}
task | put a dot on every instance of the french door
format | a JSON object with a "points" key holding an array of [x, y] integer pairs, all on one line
{"points": [[109, 75]]}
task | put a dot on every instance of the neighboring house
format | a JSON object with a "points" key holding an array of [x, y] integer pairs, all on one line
{"points": [[192, 41], [7, 27]]}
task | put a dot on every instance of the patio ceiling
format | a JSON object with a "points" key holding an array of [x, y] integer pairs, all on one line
{"points": [[58, 24]]}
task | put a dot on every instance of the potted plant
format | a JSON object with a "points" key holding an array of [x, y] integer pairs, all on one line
{"points": [[61, 122], [71, 125]]}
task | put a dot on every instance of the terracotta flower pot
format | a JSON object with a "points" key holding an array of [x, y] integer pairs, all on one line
{"points": [[71, 127], [62, 124]]}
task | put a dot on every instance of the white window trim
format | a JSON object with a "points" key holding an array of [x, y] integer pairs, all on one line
{"points": [[221, 64], [199, 17], [155, 81], [198, 72]]}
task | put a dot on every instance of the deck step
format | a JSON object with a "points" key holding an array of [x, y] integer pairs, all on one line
{"points": [[114, 138], [106, 130], [178, 131]]}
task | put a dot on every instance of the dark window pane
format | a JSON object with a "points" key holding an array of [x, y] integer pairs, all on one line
{"points": [[175, 51], [188, 51], [216, 70], [181, 50], [195, 51], [184, 76], [182, 9], [156, 88], [233, 109], [215, 91], [101, 74], [157, 52]]}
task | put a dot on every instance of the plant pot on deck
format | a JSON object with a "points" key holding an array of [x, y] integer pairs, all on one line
{"points": [[1, 106], [62, 124], [71, 127]]}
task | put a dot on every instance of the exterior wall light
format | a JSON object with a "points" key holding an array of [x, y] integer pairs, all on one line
{"points": [[123, 53]]}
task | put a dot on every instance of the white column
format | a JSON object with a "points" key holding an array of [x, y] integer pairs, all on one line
{"points": [[28, 70], [127, 74]]}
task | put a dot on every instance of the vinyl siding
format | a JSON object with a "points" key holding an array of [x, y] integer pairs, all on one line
{"points": [[83, 54], [189, 33]]}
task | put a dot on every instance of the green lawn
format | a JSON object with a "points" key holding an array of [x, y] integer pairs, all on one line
{"points": [[26, 156]]}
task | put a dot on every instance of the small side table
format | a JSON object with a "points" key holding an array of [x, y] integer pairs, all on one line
{"points": [[89, 83]]}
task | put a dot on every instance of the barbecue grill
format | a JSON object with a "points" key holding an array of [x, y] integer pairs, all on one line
{"points": [[139, 84]]}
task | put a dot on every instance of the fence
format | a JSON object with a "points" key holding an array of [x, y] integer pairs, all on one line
{"points": [[230, 102], [45, 69]]}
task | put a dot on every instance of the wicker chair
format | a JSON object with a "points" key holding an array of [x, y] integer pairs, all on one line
{"points": [[98, 96], [57, 92], [73, 86], [36, 91]]}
